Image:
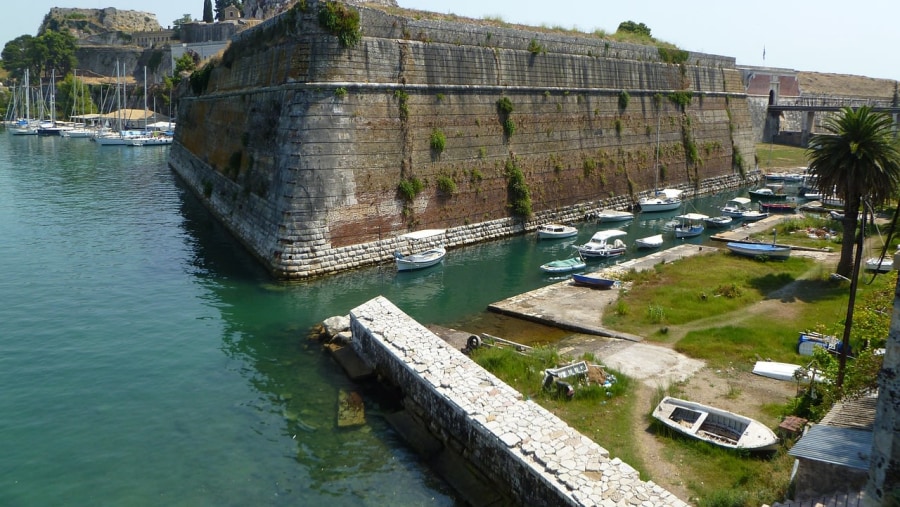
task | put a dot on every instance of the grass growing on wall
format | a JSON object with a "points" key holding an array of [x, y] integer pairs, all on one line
{"points": [[341, 21], [517, 186]]}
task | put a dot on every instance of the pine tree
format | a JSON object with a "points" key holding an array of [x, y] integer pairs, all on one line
{"points": [[207, 11]]}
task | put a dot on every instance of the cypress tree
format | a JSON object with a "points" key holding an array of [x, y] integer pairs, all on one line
{"points": [[207, 11]]}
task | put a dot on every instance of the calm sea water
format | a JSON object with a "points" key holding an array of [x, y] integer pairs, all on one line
{"points": [[146, 359]]}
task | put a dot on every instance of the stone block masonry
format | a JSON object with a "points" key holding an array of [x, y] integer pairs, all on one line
{"points": [[523, 448], [300, 145]]}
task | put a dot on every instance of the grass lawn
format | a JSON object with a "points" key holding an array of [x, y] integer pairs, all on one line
{"points": [[726, 310], [776, 156]]}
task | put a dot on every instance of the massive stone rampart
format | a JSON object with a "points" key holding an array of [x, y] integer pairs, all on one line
{"points": [[300, 145]]}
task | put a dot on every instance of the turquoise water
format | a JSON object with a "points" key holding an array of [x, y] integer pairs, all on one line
{"points": [[146, 359]]}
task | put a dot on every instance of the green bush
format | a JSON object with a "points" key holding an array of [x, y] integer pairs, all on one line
{"points": [[509, 127], [341, 21], [446, 185], [340, 92], [409, 188], [681, 98], [535, 48], [504, 106], [519, 193], [624, 98], [438, 140]]}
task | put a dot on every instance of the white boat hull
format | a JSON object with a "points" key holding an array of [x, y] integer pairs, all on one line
{"points": [[759, 250], [420, 260], [556, 231], [713, 425], [655, 241]]}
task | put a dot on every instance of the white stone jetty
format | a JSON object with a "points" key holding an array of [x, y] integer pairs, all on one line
{"points": [[516, 443]]}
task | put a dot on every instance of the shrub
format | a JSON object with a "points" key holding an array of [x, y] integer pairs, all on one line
{"points": [[624, 98], [340, 92], [509, 127], [519, 193], [504, 106], [341, 21], [446, 185], [535, 48], [409, 188], [682, 98], [438, 140]]}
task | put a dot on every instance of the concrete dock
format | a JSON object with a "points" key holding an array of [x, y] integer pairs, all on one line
{"points": [[580, 309]]}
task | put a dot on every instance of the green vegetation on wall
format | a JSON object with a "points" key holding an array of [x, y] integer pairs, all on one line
{"points": [[438, 141], [341, 21], [519, 194], [409, 188], [505, 109]]}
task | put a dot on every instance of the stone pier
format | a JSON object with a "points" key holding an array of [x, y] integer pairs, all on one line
{"points": [[521, 447]]}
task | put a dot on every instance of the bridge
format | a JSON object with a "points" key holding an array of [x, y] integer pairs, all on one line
{"points": [[812, 106]]}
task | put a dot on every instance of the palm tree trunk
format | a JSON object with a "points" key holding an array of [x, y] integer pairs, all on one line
{"points": [[854, 282], [851, 219]]}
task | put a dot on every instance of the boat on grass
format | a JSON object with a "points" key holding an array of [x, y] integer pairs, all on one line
{"points": [[594, 281], [556, 231], [809, 340], [757, 250], [690, 225], [654, 241], [604, 244], [716, 426], [783, 371], [564, 265], [611, 215]]}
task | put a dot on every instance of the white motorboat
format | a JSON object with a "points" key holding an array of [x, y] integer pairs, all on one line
{"points": [[611, 216], [752, 215], [649, 242], [556, 231], [604, 244], [719, 222], [424, 259], [664, 200], [736, 207], [714, 425]]}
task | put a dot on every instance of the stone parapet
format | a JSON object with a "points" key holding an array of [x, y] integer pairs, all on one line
{"points": [[523, 448]]}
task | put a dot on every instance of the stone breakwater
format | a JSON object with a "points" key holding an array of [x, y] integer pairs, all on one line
{"points": [[516, 443]]}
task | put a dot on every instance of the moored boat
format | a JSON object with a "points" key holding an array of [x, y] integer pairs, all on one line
{"points": [[690, 225], [654, 241], [736, 207], [777, 207], [719, 222], [423, 259], [752, 215], [564, 265], [716, 426], [556, 231], [604, 244], [611, 216], [594, 281], [766, 193], [663, 200]]}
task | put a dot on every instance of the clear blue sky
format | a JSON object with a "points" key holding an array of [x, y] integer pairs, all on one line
{"points": [[860, 37]]}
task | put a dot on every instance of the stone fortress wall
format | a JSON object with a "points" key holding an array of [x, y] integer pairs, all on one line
{"points": [[299, 145]]}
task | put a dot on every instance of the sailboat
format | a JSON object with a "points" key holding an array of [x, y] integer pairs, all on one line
{"points": [[148, 138], [117, 138], [80, 130], [25, 127], [662, 200], [51, 128]]}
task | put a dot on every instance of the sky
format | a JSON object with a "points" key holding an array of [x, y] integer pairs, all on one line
{"points": [[860, 38]]}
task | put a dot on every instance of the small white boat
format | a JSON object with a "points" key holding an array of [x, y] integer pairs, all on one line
{"points": [[716, 426], [649, 242], [610, 216], [736, 207], [664, 200], [604, 244], [880, 265], [690, 225], [719, 222], [755, 250], [780, 371], [420, 260], [556, 231], [563, 265]]}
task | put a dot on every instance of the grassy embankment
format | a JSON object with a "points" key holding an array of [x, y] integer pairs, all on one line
{"points": [[708, 318]]}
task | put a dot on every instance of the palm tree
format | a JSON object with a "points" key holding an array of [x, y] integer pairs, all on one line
{"points": [[857, 160]]}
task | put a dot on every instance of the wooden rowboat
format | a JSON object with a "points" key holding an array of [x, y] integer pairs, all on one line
{"points": [[713, 425]]}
